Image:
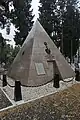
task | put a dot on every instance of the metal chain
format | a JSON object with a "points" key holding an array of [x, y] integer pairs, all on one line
{"points": [[37, 85], [68, 81], [8, 84]]}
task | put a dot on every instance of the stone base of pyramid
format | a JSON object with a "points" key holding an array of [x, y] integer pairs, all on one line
{"points": [[32, 93]]}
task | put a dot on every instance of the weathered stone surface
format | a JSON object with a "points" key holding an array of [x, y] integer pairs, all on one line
{"points": [[64, 105], [33, 52]]}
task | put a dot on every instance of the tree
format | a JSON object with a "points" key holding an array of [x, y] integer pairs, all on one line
{"points": [[15, 51], [10, 54], [48, 17], [5, 15], [62, 20], [2, 47], [69, 15], [7, 52], [22, 18]]}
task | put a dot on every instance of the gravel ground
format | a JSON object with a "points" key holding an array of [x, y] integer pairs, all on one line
{"points": [[4, 102], [63, 105]]}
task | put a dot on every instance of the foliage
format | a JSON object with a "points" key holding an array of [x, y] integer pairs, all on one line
{"points": [[2, 47], [7, 52], [5, 15], [61, 20], [22, 18], [47, 16], [10, 54]]}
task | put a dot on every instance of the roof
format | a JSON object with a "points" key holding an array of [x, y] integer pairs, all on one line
{"points": [[59, 106], [30, 65]]}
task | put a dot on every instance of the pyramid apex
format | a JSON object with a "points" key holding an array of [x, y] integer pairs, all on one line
{"points": [[37, 21]]}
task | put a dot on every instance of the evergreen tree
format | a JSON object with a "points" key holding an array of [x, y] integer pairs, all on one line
{"points": [[7, 52], [10, 54], [62, 21], [3, 52], [2, 46], [69, 16], [48, 17], [22, 18]]}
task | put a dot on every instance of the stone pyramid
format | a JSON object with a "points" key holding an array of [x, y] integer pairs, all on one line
{"points": [[30, 65]]}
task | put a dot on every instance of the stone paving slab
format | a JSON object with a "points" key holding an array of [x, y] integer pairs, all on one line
{"points": [[4, 102]]}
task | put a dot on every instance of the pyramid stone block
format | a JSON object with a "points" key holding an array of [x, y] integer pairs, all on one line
{"points": [[30, 65]]}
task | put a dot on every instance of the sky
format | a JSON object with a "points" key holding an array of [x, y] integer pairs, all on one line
{"points": [[35, 4]]}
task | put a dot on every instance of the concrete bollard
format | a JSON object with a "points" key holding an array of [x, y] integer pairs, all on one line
{"points": [[17, 91], [4, 80], [56, 81]]}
